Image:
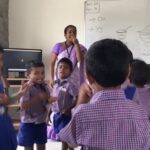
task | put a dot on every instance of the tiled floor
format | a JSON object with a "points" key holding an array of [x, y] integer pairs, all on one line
{"points": [[51, 145]]}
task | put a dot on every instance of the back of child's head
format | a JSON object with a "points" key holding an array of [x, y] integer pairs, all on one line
{"points": [[33, 64], [148, 82], [130, 57], [107, 62], [66, 61], [139, 73]]}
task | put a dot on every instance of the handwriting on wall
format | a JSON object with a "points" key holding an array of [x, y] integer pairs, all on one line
{"points": [[117, 19]]}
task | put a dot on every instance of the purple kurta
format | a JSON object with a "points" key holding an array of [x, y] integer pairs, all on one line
{"points": [[70, 52], [108, 122]]}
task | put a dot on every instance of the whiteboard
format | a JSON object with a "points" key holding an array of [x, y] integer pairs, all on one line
{"points": [[126, 20]]}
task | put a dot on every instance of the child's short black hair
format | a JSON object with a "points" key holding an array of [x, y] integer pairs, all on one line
{"points": [[148, 82], [107, 61], [139, 73], [130, 57], [33, 64], [1, 49], [66, 61], [69, 26]]}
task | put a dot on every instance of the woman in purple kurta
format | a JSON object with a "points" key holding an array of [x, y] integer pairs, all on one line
{"points": [[72, 50]]}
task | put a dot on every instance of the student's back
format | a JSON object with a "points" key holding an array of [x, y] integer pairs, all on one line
{"points": [[107, 120], [112, 123]]}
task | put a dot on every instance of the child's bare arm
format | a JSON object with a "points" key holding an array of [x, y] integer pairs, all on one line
{"points": [[4, 99], [48, 120], [85, 94], [39, 97], [25, 87], [52, 99], [4, 81], [28, 103]]}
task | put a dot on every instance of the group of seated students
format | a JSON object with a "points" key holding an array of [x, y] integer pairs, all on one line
{"points": [[100, 115]]}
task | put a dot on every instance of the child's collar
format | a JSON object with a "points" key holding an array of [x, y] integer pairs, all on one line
{"points": [[61, 82]]}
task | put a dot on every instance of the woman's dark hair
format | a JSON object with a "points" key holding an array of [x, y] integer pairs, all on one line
{"points": [[69, 26]]}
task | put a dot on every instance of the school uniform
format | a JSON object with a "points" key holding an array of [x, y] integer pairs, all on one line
{"points": [[33, 128], [142, 97], [66, 93], [108, 122]]}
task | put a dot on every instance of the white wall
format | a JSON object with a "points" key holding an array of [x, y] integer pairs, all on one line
{"points": [[40, 23]]}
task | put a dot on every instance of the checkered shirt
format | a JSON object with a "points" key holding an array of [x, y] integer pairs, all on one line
{"points": [[142, 97], [108, 122]]}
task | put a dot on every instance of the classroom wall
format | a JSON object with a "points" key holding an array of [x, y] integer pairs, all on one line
{"points": [[4, 23], [40, 23]]}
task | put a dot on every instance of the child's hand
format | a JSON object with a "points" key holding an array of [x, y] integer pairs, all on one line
{"points": [[74, 39], [1, 67], [85, 93], [3, 99], [66, 112], [25, 87], [51, 84], [52, 99], [43, 96]]}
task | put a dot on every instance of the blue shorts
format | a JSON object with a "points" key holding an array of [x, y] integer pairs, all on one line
{"points": [[60, 121], [30, 133]]}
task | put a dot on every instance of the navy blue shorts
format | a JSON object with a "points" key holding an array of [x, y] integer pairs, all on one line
{"points": [[30, 133], [60, 121]]}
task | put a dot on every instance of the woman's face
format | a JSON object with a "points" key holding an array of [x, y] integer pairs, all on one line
{"points": [[71, 32]]}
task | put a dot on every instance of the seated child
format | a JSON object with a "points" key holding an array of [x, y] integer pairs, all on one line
{"points": [[66, 93], [139, 77], [107, 120], [33, 103]]}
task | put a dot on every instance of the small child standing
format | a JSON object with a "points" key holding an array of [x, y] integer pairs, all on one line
{"points": [[33, 103], [66, 93], [8, 139]]}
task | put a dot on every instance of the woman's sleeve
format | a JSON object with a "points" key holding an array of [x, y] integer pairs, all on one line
{"points": [[83, 48], [56, 48]]}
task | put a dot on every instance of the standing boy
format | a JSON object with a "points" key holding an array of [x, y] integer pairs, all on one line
{"points": [[33, 128]]}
